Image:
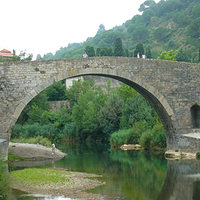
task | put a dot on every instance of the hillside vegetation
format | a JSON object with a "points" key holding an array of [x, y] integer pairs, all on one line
{"points": [[162, 26]]}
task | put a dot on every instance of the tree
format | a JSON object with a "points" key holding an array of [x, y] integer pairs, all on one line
{"points": [[148, 53], [39, 57], [141, 34], [139, 49], [85, 114], [193, 28], [118, 49], [101, 29], [48, 56], [168, 55], [199, 53], [90, 51], [104, 51], [110, 115], [137, 109], [78, 86], [24, 55], [182, 55], [196, 11], [161, 34], [56, 92]]}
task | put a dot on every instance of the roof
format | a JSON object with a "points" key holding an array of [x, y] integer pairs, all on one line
{"points": [[5, 51]]}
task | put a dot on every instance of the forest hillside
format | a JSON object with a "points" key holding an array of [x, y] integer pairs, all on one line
{"points": [[163, 26]]}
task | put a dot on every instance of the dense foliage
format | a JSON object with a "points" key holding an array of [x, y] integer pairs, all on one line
{"points": [[95, 114], [163, 26], [5, 190]]}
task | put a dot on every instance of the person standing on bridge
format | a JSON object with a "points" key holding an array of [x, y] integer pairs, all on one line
{"points": [[143, 56], [85, 55]]}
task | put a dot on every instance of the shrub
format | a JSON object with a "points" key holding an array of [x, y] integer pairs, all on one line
{"points": [[5, 190], [37, 140], [69, 131], [145, 139], [136, 132], [198, 155], [159, 138], [120, 137]]}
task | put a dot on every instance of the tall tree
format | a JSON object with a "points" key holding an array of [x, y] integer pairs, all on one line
{"points": [[139, 49], [118, 49], [182, 55], [148, 53], [101, 29], [199, 53], [110, 114], [90, 51]]}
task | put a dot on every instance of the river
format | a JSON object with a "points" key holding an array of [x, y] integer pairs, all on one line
{"points": [[130, 175]]}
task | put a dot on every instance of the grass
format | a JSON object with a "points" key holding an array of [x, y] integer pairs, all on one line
{"points": [[12, 157], [39, 177], [37, 140]]}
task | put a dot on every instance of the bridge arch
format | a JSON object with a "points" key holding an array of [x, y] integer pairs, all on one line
{"points": [[171, 88], [156, 100]]}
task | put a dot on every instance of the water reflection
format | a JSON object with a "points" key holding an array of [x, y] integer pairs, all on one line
{"points": [[131, 174], [182, 180], [40, 197]]}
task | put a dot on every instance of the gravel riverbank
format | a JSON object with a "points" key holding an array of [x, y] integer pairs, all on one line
{"points": [[74, 188]]}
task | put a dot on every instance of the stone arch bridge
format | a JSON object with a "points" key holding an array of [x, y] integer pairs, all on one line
{"points": [[172, 88]]}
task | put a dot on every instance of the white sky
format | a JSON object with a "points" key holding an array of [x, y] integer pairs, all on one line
{"points": [[43, 26]]}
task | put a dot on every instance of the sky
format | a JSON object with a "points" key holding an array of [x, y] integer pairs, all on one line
{"points": [[43, 26]]}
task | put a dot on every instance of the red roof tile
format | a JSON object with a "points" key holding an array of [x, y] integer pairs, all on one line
{"points": [[5, 51]]}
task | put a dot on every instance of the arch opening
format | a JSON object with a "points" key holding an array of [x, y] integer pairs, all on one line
{"points": [[154, 98], [195, 116]]}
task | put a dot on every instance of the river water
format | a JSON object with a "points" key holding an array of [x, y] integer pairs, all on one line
{"points": [[130, 175]]}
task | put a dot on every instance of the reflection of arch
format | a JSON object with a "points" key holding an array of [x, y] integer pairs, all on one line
{"points": [[151, 94], [195, 116]]}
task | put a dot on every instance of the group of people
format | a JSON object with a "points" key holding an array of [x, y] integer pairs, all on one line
{"points": [[143, 55], [138, 55]]}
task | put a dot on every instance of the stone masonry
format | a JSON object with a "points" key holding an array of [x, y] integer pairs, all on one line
{"points": [[172, 88]]}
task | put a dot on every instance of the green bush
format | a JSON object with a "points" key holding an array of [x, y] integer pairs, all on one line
{"points": [[36, 140], [120, 137], [159, 138], [198, 155], [69, 132], [136, 132], [5, 191], [145, 139]]}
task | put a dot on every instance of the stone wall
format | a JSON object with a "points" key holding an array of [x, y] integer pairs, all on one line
{"points": [[172, 88], [56, 105]]}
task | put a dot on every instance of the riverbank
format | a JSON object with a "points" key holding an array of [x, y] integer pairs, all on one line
{"points": [[73, 187], [25, 151]]}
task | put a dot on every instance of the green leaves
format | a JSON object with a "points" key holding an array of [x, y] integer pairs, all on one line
{"points": [[118, 49], [168, 55]]}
